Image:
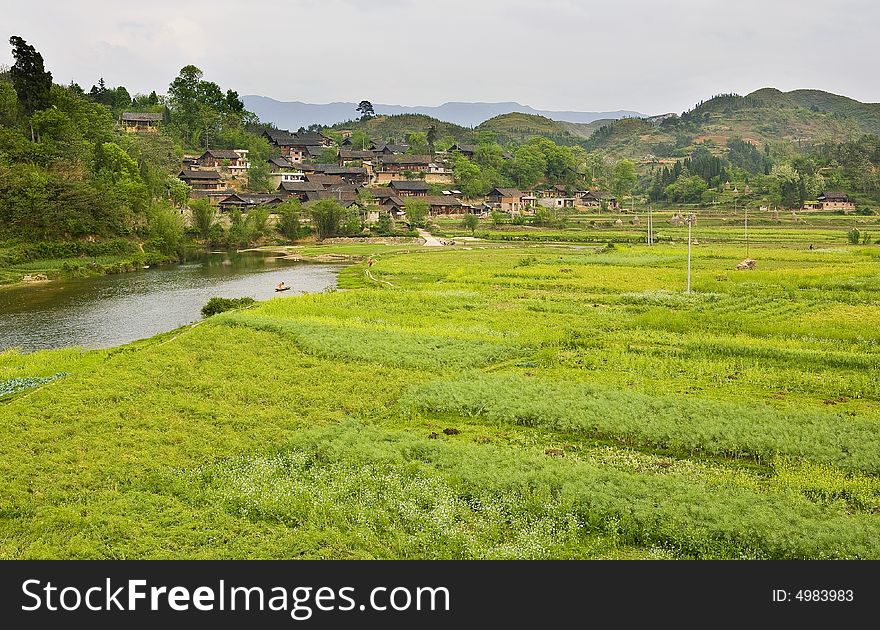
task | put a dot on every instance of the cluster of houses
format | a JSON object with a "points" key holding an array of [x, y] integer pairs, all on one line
{"points": [[384, 172], [311, 167]]}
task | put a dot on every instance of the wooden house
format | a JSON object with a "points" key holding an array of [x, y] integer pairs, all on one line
{"points": [[246, 201], [409, 187], [467, 150], [592, 199], [202, 180], [444, 204], [135, 122]]}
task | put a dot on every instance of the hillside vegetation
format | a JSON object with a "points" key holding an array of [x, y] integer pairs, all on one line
{"points": [[518, 128], [803, 120], [397, 128]]}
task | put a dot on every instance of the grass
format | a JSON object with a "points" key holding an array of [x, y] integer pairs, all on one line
{"points": [[499, 401]]}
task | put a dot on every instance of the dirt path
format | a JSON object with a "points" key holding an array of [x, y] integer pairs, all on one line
{"points": [[430, 241]]}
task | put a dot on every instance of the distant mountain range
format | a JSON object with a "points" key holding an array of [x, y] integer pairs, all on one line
{"points": [[295, 114]]}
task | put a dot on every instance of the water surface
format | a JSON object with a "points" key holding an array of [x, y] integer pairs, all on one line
{"points": [[111, 310]]}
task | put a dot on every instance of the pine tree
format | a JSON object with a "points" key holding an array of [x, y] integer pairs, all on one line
{"points": [[30, 79]]}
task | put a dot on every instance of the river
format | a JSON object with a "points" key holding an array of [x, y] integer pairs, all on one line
{"points": [[107, 311]]}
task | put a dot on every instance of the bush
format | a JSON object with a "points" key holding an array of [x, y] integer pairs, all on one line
{"points": [[854, 236], [219, 305]]}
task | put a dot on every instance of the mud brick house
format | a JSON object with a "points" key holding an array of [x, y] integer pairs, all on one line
{"points": [[835, 201], [506, 199]]}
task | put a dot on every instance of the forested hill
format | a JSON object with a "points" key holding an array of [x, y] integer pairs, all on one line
{"points": [[68, 171], [866, 115], [515, 128], [802, 119], [396, 128]]}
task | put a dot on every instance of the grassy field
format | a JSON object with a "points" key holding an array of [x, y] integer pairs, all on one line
{"points": [[480, 401]]}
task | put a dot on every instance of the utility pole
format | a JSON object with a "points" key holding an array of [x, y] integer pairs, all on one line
{"points": [[690, 222], [747, 231], [650, 225]]}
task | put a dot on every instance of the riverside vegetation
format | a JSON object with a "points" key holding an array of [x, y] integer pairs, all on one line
{"points": [[495, 401]]}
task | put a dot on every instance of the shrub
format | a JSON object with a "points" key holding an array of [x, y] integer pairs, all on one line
{"points": [[854, 236], [219, 305]]}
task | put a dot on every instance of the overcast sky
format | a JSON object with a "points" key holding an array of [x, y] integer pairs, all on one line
{"points": [[647, 56]]}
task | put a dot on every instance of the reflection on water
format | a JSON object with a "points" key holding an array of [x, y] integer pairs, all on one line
{"points": [[112, 310]]}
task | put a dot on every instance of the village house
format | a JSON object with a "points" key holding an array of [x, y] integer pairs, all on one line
{"points": [[347, 198], [282, 170], [590, 199], [506, 200], [232, 161], [394, 206], [404, 162], [134, 122], [467, 150], [439, 173], [398, 166], [246, 201], [835, 201], [297, 146], [409, 188], [378, 192], [299, 190], [556, 202], [348, 157], [325, 181], [202, 180], [444, 204], [385, 148]]}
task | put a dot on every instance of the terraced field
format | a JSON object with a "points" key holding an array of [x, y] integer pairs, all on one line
{"points": [[492, 401]]}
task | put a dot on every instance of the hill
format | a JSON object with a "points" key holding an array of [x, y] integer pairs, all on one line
{"points": [[585, 130], [395, 128], [295, 114], [518, 127], [801, 119]]}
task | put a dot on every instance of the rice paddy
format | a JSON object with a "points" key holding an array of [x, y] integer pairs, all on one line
{"points": [[494, 400]]}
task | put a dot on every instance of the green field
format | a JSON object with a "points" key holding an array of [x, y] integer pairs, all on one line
{"points": [[593, 410]]}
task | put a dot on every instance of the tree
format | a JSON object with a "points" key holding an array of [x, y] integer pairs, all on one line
{"points": [[30, 79], [203, 215], [165, 229], [8, 102], [687, 189], [289, 219], [527, 166], [623, 178], [431, 137], [327, 216], [418, 143], [257, 223], [470, 222], [416, 210], [365, 109]]}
